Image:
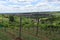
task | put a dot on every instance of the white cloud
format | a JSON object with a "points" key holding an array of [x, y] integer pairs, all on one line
{"points": [[40, 6], [22, 1]]}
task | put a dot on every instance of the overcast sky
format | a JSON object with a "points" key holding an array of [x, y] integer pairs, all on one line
{"points": [[17, 6]]}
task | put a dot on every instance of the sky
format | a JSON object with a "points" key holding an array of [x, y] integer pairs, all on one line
{"points": [[20, 6]]}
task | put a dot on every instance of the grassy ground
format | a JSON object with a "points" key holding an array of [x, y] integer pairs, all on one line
{"points": [[4, 36], [10, 36], [30, 34], [44, 34]]}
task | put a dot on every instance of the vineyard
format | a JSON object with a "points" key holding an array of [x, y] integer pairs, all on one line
{"points": [[30, 27]]}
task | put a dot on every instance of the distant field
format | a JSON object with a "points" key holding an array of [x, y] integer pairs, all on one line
{"points": [[58, 14]]}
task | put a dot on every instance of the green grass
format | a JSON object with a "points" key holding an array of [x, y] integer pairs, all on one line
{"points": [[4, 36]]}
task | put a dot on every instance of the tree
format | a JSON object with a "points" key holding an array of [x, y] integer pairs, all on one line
{"points": [[11, 18]]}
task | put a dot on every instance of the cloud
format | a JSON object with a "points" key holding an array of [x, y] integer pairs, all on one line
{"points": [[28, 6]]}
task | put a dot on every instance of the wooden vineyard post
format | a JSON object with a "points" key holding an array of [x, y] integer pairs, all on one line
{"points": [[37, 26], [20, 31], [36, 16]]}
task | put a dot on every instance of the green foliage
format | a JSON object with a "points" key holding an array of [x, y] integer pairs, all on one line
{"points": [[11, 18], [27, 22], [1, 25]]}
